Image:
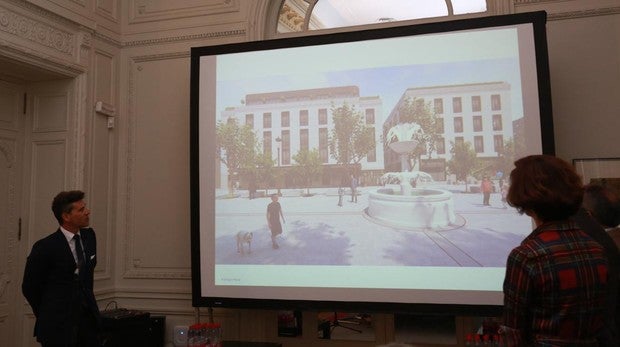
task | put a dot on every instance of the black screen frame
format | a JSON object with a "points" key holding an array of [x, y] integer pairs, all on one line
{"points": [[538, 21]]}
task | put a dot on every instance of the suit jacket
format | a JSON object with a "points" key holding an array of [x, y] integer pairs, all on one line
{"points": [[53, 290]]}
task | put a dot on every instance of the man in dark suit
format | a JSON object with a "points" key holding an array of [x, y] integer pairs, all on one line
{"points": [[58, 279]]}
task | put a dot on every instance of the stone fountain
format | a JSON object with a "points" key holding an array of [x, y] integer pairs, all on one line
{"points": [[410, 207]]}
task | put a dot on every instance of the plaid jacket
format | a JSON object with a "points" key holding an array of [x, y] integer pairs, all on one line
{"points": [[555, 288]]}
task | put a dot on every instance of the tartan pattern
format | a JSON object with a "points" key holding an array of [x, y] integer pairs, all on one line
{"points": [[555, 288]]}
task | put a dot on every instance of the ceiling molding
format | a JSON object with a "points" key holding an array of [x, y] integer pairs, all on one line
{"points": [[584, 13], [181, 38]]}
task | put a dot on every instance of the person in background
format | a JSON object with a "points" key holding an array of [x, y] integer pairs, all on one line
{"points": [[486, 187], [252, 187], [58, 278], [504, 193], [600, 216], [354, 184], [556, 282], [603, 204], [274, 212]]}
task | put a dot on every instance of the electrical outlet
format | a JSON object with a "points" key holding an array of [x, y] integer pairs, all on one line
{"points": [[180, 335]]}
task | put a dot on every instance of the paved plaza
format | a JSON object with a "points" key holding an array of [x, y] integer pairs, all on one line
{"points": [[319, 232]]}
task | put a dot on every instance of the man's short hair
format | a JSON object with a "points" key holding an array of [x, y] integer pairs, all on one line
{"points": [[63, 203]]}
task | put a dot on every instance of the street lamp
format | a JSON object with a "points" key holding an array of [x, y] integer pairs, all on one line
{"points": [[278, 140]]}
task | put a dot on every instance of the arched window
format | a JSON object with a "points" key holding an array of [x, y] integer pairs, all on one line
{"points": [[307, 15]]}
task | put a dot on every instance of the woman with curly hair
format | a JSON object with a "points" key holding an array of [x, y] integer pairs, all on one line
{"points": [[555, 287]]}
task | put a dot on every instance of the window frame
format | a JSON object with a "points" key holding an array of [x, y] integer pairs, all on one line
{"points": [[275, 7]]}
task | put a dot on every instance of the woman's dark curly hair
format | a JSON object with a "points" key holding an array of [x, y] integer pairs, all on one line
{"points": [[545, 185]]}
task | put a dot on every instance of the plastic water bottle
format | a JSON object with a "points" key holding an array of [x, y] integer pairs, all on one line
{"points": [[469, 340], [208, 334], [193, 336], [217, 335], [196, 336]]}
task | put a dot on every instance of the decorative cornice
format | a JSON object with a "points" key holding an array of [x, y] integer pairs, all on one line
{"points": [[162, 56], [584, 13], [34, 9], [64, 41], [535, 1], [105, 38], [38, 32], [290, 18], [209, 35]]}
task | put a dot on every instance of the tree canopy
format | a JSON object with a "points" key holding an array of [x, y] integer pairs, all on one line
{"points": [[308, 165], [236, 146], [463, 162], [351, 139]]}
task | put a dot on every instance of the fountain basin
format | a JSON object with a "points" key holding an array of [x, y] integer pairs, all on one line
{"points": [[422, 208]]}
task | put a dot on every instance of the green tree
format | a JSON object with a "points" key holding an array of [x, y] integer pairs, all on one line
{"points": [[263, 169], [236, 147], [308, 165], [506, 156], [350, 139], [415, 110], [463, 162]]}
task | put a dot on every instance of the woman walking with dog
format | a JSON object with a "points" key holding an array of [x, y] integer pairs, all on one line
{"points": [[274, 212]]}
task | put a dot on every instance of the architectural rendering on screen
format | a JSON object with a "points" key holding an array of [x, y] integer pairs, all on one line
{"points": [[404, 176]]}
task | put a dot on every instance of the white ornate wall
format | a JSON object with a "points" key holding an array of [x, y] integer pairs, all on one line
{"points": [[131, 154]]}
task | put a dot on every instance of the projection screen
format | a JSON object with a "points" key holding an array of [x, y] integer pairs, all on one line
{"points": [[374, 144]]}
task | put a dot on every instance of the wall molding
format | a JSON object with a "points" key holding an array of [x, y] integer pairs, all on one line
{"points": [[4, 281], [39, 11], [32, 30], [170, 39], [110, 14], [142, 12], [585, 13], [7, 147], [133, 267], [182, 38]]}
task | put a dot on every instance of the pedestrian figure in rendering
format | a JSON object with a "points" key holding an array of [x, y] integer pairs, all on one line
{"points": [[556, 283], [504, 192], [252, 187], [274, 213], [340, 195], [354, 184], [486, 187]]}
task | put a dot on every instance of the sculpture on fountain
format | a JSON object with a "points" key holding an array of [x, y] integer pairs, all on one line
{"points": [[411, 207]]}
